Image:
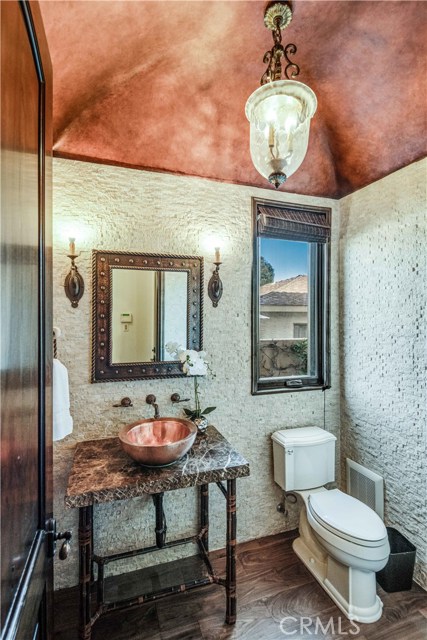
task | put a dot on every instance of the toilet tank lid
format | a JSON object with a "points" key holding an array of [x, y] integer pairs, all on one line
{"points": [[302, 436]]}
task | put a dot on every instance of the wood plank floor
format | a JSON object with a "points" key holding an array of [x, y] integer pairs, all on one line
{"points": [[275, 591]]}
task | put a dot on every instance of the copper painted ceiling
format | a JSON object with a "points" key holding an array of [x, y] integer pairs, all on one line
{"points": [[162, 85]]}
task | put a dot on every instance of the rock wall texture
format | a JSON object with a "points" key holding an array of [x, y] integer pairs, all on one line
{"points": [[110, 208], [383, 300]]}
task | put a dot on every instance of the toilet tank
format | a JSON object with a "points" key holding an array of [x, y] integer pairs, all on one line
{"points": [[303, 458]]}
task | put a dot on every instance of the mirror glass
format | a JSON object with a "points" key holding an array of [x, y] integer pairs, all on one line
{"points": [[141, 302], [148, 310]]}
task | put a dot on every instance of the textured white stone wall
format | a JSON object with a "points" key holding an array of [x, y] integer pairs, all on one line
{"points": [[383, 299], [125, 209]]}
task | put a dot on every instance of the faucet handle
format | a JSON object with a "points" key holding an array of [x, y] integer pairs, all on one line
{"points": [[176, 398], [124, 402], [150, 399]]}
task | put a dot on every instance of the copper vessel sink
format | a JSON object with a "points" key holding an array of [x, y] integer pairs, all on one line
{"points": [[157, 442]]}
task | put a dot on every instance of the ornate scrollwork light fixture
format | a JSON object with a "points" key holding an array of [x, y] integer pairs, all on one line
{"points": [[279, 111]]}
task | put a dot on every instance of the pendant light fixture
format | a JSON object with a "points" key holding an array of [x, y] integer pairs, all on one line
{"points": [[279, 111]]}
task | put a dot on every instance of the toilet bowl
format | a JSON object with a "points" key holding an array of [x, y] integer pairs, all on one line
{"points": [[342, 541], [352, 531]]}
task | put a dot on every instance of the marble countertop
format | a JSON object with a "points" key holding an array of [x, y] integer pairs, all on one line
{"points": [[103, 472]]}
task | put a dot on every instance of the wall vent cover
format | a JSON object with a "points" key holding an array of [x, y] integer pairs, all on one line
{"points": [[366, 486]]}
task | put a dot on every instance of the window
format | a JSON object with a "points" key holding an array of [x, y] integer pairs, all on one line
{"points": [[300, 331], [290, 320]]}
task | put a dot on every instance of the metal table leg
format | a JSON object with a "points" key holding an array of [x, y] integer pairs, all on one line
{"points": [[230, 586], [85, 570], [204, 514], [92, 576]]}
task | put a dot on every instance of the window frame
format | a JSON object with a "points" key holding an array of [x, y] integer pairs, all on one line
{"points": [[320, 304]]}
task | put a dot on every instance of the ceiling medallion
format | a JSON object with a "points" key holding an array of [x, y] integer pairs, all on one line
{"points": [[277, 12], [279, 111]]}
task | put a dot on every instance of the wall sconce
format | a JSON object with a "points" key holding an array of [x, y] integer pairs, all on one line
{"points": [[279, 111], [215, 284], [74, 284]]}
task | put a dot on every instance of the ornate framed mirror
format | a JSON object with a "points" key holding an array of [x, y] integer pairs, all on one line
{"points": [[142, 302]]}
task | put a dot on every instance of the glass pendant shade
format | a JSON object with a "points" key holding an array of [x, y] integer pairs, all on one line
{"points": [[279, 113]]}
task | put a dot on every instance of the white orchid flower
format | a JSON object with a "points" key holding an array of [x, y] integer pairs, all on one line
{"points": [[194, 364], [196, 368], [188, 355]]}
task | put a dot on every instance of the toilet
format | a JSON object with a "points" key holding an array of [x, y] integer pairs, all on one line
{"points": [[342, 541]]}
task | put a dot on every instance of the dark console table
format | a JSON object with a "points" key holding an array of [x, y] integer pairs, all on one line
{"points": [[102, 472]]}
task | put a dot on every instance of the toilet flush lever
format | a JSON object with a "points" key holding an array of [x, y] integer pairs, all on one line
{"points": [[289, 451]]}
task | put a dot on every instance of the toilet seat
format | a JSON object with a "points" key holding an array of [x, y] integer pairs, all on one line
{"points": [[347, 518]]}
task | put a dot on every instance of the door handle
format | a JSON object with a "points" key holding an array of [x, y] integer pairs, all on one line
{"points": [[65, 546], [53, 536]]}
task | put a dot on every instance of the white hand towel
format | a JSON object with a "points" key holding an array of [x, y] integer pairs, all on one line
{"points": [[62, 420]]}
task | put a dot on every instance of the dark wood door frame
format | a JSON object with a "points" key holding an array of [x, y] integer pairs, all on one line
{"points": [[27, 608]]}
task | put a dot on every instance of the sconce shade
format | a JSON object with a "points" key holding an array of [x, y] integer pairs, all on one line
{"points": [[279, 113]]}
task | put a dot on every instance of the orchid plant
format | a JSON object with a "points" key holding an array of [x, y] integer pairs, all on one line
{"points": [[194, 364]]}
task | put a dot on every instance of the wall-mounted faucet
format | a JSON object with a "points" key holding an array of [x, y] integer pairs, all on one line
{"points": [[151, 399]]}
